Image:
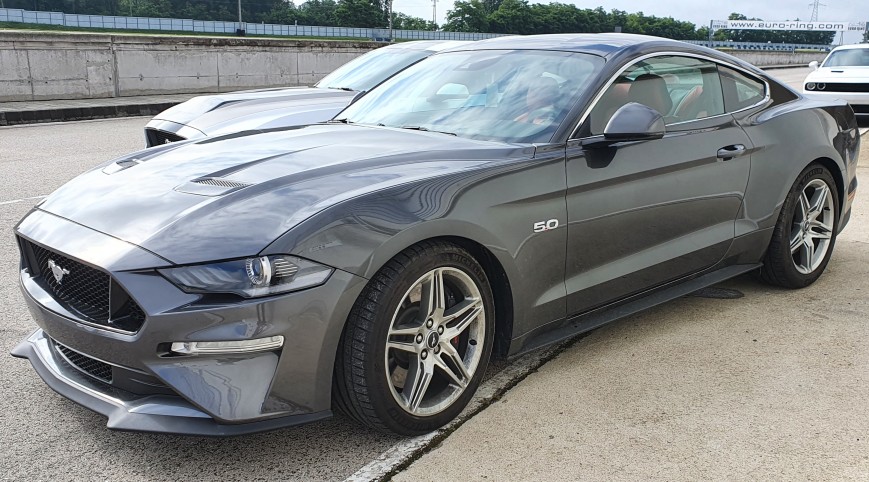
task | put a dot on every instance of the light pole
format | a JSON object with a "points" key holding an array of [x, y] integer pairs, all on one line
{"points": [[240, 30], [389, 3]]}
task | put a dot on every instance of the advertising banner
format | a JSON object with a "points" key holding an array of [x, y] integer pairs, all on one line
{"points": [[788, 25]]}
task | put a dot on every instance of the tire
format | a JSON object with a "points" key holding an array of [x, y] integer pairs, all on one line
{"points": [[405, 386], [782, 266]]}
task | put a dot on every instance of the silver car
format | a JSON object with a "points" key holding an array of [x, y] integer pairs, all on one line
{"points": [[214, 115]]}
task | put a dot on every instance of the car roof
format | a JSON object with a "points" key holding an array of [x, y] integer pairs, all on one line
{"points": [[851, 47], [602, 44], [432, 45]]}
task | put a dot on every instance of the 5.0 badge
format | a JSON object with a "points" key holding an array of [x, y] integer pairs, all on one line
{"points": [[541, 226]]}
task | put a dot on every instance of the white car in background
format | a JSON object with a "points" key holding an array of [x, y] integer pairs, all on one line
{"points": [[844, 75]]}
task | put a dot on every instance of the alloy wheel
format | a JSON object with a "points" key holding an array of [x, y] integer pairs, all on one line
{"points": [[812, 226], [435, 341]]}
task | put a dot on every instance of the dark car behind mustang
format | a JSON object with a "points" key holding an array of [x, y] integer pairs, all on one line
{"points": [[487, 201]]}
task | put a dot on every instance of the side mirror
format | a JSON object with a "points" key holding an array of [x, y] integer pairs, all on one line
{"points": [[813, 65], [634, 122]]}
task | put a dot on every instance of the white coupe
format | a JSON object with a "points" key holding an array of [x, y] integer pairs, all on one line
{"points": [[844, 75]]}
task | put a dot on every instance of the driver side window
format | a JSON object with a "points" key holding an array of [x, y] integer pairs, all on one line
{"points": [[680, 88]]}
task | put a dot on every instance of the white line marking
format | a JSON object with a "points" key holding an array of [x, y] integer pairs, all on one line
{"points": [[490, 390], [21, 200]]}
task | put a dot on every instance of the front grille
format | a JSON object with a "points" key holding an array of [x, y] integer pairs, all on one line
{"points": [[83, 288], [157, 137], [85, 291], [90, 366], [845, 87]]}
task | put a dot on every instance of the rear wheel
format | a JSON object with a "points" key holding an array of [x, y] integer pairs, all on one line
{"points": [[417, 341], [805, 233]]}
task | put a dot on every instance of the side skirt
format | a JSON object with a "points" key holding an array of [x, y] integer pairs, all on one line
{"points": [[603, 315]]}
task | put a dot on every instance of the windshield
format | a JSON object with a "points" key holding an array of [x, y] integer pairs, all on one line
{"points": [[366, 71], [848, 58], [512, 96]]}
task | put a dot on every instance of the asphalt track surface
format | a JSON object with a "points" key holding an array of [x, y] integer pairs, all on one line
{"points": [[46, 437]]}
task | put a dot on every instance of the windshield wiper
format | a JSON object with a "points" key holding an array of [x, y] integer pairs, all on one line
{"points": [[339, 121], [426, 129], [348, 89]]}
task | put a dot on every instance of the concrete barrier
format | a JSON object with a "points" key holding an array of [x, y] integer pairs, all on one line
{"points": [[775, 59], [45, 66]]}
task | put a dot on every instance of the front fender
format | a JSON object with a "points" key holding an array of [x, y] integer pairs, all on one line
{"points": [[495, 207]]}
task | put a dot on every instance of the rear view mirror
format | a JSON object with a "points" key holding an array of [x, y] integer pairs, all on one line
{"points": [[635, 122], [813, 65]]}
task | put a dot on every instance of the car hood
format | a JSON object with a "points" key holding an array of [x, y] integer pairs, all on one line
{"points": [[231, 196], [197, 107], [839, 74], [317, 105]]}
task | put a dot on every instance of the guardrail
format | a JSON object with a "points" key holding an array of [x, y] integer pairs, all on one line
{"points": [[211, 26], [719, 44]]}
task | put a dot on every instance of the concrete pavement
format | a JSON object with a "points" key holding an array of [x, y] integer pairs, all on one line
{"points": [[770, 386]]}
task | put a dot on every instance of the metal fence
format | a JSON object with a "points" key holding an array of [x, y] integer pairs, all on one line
{"points": [[757, 46], [209, 26]]}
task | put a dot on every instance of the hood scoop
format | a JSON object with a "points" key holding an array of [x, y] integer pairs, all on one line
{"points": [[211, 186], [120, 165]]}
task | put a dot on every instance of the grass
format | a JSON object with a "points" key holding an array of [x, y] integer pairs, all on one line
{"points": [[64, 28]]}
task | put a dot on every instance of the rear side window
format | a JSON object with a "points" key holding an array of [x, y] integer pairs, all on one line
{"points": [[682, 89], [740, 91]]}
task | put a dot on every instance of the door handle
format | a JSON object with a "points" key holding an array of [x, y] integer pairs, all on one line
{"points": [[729, 152]]}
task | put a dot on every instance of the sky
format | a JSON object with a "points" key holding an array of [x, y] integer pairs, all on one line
{"points": [[699, 12]]}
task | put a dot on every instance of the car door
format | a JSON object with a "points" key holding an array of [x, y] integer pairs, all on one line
{"points": [[644, 213]]}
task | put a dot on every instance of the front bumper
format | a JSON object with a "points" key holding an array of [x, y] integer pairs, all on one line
{"points": [[222, 394], [128, 411]]}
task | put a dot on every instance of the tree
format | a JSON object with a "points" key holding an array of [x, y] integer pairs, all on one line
{"points": [[467, 16], [360, 13], [512, 16], [407, 22], [318, 12]]}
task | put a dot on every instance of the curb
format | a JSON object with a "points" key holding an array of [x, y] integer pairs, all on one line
{"points": [[780, 67], [10, 118]]}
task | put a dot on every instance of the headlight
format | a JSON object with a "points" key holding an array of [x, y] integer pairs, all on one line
{"points": [[252, 277], [810, 86], [821, 86]]}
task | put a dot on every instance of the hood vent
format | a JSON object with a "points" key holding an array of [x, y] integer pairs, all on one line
{"points": [[211, 186], [120, 165], [219, 182]]}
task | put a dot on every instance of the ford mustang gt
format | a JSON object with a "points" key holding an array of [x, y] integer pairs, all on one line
{"points": [[486, 201], [214, 115]]}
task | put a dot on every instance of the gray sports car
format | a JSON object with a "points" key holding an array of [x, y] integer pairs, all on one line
{"points": [[484, 202], [219, 114]]}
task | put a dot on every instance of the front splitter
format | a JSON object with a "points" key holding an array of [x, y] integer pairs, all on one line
{"points": [[131, 412]]}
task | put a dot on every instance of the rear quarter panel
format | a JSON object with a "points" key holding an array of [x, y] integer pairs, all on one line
{"points": [[787, 138]]}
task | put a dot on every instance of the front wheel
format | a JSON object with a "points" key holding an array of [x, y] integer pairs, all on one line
{"points": [[417, 341], [803, 238]]}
